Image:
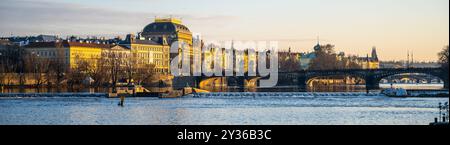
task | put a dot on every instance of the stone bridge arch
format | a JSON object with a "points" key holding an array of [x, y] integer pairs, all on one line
{"points": [[375, 76]]}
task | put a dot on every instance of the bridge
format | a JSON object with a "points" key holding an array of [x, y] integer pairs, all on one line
{"points": [[411, 78], [372, 77]]}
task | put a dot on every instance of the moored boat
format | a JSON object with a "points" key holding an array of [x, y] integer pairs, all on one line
{"points": [[395, 92]]}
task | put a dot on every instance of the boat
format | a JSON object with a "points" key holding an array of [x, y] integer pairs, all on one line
{"points": [[133, 91], [395, 92]]}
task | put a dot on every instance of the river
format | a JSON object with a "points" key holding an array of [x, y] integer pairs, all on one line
{"points": [[258, 109]]}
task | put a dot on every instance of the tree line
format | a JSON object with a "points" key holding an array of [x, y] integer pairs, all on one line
{"points": [[18, 65]]}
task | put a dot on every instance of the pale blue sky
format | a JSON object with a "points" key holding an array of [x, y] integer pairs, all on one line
{"points": [[354, 26]]}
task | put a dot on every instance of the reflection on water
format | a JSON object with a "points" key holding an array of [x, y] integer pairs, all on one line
{"points": [[414, 86], [321, 88], [220, 110], [324, 88], [75, 90]]}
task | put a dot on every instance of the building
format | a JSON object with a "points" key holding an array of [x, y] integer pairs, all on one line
{"points": [[146, 52], [4, 43], [23, 41], [289, 61], [151, 46], [306, 58], [68, 51], [167, 29], [153, 43], [369, 62], [123, 54]]}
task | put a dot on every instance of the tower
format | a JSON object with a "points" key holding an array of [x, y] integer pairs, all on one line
{"points": [[317, 47], [374, 54], [412, 58], [407, 61]]}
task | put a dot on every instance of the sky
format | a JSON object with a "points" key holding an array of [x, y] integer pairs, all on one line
{"points": [[353, 26]]}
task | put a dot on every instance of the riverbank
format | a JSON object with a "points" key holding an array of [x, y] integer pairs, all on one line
{"points": [[24, 95], [428, 93], [196, 93]]}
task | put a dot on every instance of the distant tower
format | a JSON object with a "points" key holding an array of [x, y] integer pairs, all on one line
{"points": [[367, 61], [317, 47], [407, 61], [130, 38], [412, 58], [374, 54], [232, 45], [289, 50]]}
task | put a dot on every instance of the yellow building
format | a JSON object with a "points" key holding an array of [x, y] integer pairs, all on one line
{"points": [[149, 52], [85, 51], [371, 62], [170, 29], [153, 44], [68, 52]]}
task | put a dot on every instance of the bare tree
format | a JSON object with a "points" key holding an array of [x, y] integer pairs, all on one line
{"points": [[99, 72], [443, 60], [37, 67], [327, 59], [11, 61], [443, 57], [131, 69], [77, 74], [2, 70], [145, 74], [58, 68], [114, 64]]}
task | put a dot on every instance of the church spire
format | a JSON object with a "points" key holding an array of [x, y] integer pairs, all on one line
{"points": [[318, 40], [407, 62], [412, 58], [317, 47], [374, 53]]}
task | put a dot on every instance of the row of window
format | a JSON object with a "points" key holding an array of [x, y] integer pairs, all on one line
{"points": [[142, 48], [85, 55], [158, 63], [147, 55], [46, 53]]}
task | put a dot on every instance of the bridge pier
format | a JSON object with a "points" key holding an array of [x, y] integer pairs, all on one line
{"points": [[185, 81], [240, 83], [302, 86], [372, 83], [446, 83], [444, 76]]}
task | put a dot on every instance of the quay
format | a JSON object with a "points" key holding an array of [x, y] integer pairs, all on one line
{"points": [[25, 95]]}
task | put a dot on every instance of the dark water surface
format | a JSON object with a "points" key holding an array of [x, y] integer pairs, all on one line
{"points": [[223, 109]]}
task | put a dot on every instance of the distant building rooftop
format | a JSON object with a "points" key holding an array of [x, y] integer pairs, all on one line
{"points": [[170, 20], [67, 44]]}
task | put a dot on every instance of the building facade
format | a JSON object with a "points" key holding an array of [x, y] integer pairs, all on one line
{"points": [[153, 44], [369, 62], [69, 52], [145, 52]]}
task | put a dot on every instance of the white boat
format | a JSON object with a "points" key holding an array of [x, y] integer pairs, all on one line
{"points": [[395, 92]]}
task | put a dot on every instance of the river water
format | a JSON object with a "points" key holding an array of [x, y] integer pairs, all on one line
{"points": [[256, 109]]}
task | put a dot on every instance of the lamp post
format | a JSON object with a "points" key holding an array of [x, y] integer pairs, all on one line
{"points": [[440, 110]]}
